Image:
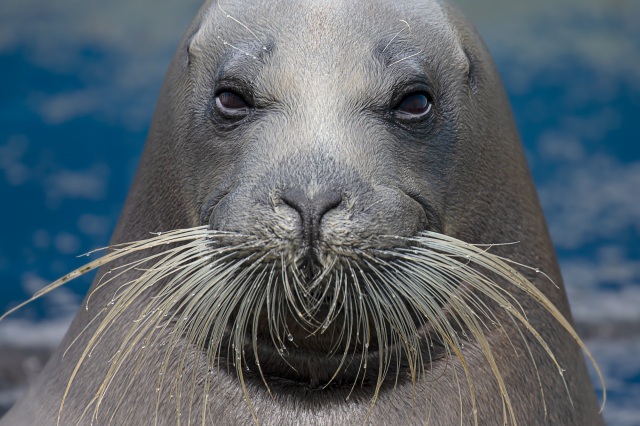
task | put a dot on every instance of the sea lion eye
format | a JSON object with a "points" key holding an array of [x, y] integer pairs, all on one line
{"points": [[414, 105], [231, 103]]}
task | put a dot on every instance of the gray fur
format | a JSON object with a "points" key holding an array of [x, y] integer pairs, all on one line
{"points": [[324, 76]]}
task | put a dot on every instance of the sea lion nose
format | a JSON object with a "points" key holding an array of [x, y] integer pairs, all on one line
{"points": [[311, 210]]}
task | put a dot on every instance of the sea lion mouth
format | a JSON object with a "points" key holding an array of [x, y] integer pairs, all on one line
{"points": [[303, 364], [330, 360]]}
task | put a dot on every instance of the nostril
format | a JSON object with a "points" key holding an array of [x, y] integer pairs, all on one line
{"points": [[327, 201], [311, 209]]}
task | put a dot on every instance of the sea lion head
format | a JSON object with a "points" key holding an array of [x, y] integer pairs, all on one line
{"points": [[333, 138]]}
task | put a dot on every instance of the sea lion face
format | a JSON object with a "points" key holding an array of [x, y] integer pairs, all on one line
{"points": [[318, 148], [320, 142], [327, 140]]}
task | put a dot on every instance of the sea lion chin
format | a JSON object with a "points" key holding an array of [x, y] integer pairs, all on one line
{"points": [[343, 220]]}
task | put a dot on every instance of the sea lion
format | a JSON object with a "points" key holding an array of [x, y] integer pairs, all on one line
{"points": [[343, 215]]}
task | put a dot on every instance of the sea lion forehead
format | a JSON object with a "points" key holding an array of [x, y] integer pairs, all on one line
{"points": [[328, 30]]}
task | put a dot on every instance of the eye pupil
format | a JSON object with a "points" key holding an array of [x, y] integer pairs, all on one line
{"points": [[231, 101], [417, 104]]}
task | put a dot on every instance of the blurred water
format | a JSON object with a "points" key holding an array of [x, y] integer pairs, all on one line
{"points": [[80, 79]]}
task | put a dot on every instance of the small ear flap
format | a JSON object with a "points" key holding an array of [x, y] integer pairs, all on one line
{"points": [[472, 79], [187, 47]]}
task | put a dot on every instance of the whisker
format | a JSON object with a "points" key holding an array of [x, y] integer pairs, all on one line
{"points": [[198, 298]]}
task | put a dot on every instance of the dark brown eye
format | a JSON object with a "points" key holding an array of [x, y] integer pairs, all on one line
{"points": [[232, 103], [414, 106]]}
